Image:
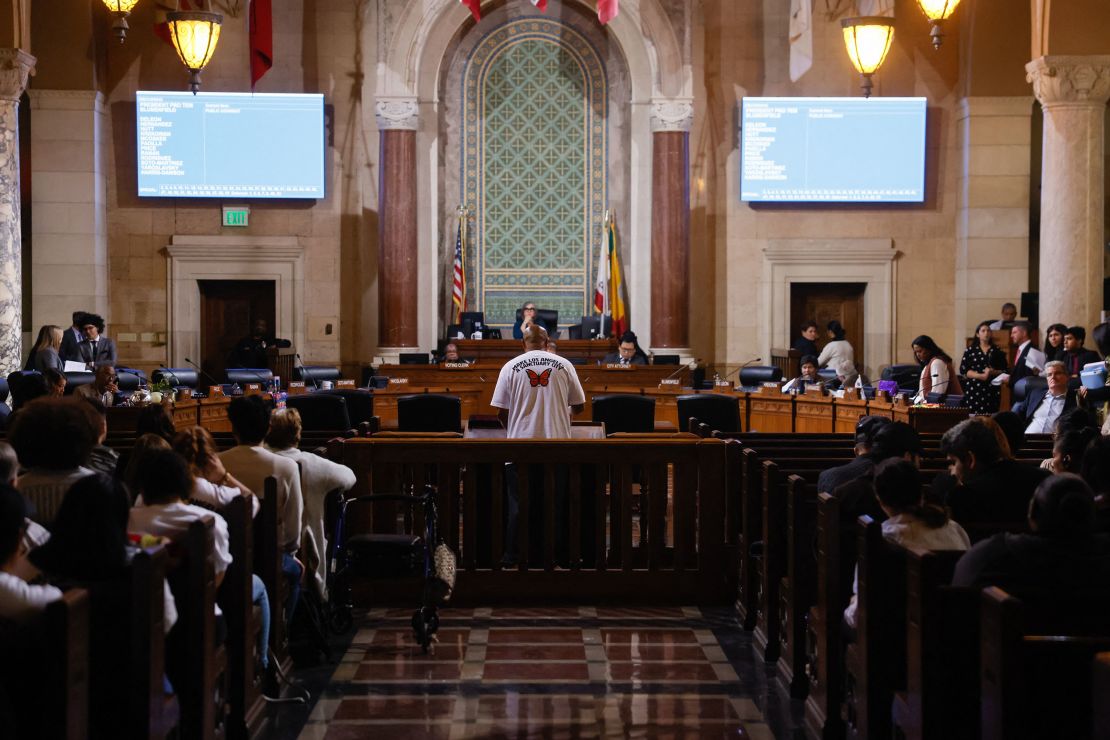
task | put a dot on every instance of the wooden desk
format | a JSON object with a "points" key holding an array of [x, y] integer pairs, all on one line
{"points": [[771, 410], [486, 350], [814, 413], [578, 431], [210, 413], [938, 420]]}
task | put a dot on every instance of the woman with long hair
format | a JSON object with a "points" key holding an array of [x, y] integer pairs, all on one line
{"points": [[213, 485], [937, 373], [838, 354], [45, 352], [1054, 342], [910, 521], [982, 362]]}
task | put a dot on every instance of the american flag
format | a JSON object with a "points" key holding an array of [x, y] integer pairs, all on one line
{"points": [[458, 290]]}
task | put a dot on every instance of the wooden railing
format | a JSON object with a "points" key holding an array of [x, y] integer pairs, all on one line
{"points": [[621, 520]]}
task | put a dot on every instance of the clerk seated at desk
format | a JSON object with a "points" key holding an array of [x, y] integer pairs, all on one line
{"points": [[809, 375], [628, 352], [451, 354]]}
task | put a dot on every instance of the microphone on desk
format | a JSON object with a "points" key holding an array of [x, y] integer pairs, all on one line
{"points": [[199, 369], [687, 366], [315, 385]]}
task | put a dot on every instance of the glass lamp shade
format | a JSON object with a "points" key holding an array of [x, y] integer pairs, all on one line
{"points": [[867, 40], [120, 9], [937, 11], [195, 35]]}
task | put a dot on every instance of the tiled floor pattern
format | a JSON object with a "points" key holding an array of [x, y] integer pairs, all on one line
{"points": [[574, 672]]}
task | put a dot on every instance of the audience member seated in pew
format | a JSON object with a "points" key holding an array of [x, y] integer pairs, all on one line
{"points": [[131, 461], [213, 485], [165, 484], [102, 459], [252, 463], [215, 488], [53, 438], [319, 476], [1070, 448], [910, 521], [1072, 420], [1063, 556], [34, 534], [88, 540], [155, 418], [892, 440], [990, 487], [862, 465], [19, 600], [1096, 471]]}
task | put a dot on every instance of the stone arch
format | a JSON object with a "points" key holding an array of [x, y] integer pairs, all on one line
{"points": [[420, 37]]}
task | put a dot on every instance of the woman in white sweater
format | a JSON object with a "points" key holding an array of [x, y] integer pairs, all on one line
{"points": [[839, 355], [319, 476]]}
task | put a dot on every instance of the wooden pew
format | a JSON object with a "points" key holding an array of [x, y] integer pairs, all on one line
{"points": [[127, 652], [825, 641], [1036, 665], [45, 672], [267, 564], [941, 698], [875, 663], [247, 706], [202, 664], [799, 585]]}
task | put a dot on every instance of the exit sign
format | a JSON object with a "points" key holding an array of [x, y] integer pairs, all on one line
{"points": [[237, 215]]}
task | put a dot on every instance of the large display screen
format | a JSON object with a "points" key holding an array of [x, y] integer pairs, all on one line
{"points": [[832, 150], [230, 145]]}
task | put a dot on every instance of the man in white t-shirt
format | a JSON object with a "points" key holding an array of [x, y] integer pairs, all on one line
{"points": [[537, 391], [535, 395]]}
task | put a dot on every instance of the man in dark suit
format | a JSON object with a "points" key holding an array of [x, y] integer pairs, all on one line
{"points": [[1029, 359], [628, 352], [1043, 406], [96, 350], [990, 487], [72, 337], [1075, 354]]}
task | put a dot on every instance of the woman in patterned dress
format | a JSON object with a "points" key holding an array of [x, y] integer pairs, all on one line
{"points": [[982, 361]]}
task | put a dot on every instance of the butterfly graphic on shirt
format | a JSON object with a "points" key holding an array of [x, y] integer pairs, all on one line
{"points": [[539, 379]]}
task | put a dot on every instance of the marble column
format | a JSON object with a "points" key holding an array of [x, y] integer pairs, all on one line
{"points": [[671, 119], [1073, 91], [398, 120], [15, 66]]}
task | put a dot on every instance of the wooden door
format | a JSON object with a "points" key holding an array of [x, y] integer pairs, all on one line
{"points": [[823, 302], [228, 310]]}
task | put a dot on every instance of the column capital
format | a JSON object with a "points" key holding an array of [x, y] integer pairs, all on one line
{"points": [[397, 113], [1063, 80], [16, 66], [672, 114]]}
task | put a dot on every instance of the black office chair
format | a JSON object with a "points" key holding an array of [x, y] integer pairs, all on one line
{"points": [[320, 412], [360, 403], [935, 397], [756, 375], [25, 386], [129, 379], [313, 374], [180, 377], [907, 376], [720, 412], [414, 358], [429, 412], [625, 412], [1025, 386], [244, 375], [78, 378], [666, 360], [826, 374]]}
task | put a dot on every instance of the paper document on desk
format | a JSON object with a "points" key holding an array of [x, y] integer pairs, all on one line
{"points": [[74, 367]]}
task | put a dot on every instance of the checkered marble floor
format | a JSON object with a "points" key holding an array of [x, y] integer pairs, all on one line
{"points": [[564, 672]]}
